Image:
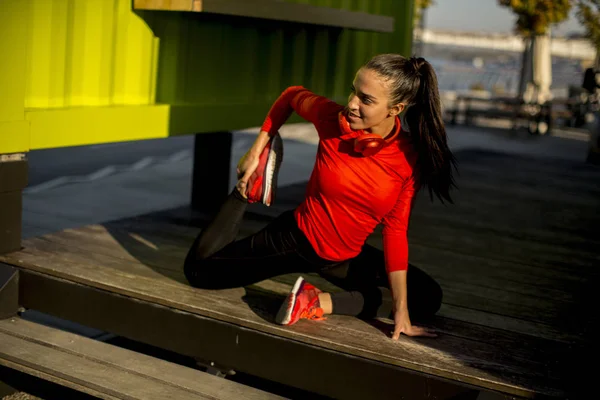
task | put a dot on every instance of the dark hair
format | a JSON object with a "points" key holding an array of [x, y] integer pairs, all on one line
{"points": [[414, 82]]}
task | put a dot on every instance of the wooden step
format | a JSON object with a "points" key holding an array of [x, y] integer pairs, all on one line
{"points": [[106, 371]]}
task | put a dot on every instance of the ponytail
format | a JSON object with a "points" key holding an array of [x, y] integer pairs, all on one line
{"points": [[414, 83], [424, 118]]}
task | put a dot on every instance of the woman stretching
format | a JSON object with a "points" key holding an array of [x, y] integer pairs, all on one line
{"points": [[368, 169]]}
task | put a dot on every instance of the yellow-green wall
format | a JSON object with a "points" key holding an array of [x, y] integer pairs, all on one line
{"points": [[14, 129], [94, 71], [88, 53]]}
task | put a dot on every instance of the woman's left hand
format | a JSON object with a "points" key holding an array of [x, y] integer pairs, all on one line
{"points": [[403, 325]]}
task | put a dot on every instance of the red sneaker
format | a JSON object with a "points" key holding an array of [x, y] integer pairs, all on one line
{"points": [[301, 303], [263, 182]]}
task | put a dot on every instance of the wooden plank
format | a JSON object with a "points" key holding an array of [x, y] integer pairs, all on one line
{"points": [[233, 345], [475, 240], [528, 344], [449, 266], [465, 313], [174, 240], [81, 372], [135, 248], [569, 237], [91, 242], [73, 255], [522, 285], [563, 317], [87, 363], [462, 293], [169, 262], [529, 197], [51, 378], [524, 307], [278, 11], [478, 363], [519, 343], [547, 282], [490, 201]]}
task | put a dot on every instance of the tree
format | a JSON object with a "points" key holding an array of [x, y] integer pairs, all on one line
{"points": [[588, 13], [419, 23], [420, 6], [534, 19]]}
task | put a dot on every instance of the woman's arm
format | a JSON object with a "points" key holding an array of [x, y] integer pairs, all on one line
{"points": [[395, 249], [295, 98], [304, 102], [279, 113], [259, 144]]}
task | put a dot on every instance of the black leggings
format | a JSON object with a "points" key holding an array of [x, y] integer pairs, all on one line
{"points": [[217, 261]]}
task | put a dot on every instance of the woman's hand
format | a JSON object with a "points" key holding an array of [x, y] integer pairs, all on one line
{"points": [[403, 325], [245, 168], [249, 162]]}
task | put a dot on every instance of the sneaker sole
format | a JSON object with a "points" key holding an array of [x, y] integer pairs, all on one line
{"points": [[271, 170], [284, 315]]}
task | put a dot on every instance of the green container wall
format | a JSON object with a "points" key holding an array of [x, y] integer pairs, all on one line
{"points": [[100, 53], [210, 59]]}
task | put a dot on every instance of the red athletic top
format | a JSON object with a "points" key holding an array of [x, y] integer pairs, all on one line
{"points": [[348, 194]]}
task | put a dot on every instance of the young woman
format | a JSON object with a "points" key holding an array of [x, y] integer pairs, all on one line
{"points": [[368, 169]]}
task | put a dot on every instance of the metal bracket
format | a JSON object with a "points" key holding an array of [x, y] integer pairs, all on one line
{"points": [[214, 368], [9, 291]]}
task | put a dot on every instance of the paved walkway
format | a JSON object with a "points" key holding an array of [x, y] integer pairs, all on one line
{"points": [[148, 185]]}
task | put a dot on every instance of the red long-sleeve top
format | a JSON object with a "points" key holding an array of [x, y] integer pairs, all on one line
{"points": [[348, 195]]}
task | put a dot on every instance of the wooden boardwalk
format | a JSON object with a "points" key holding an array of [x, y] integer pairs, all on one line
{"points": [[516, 256]]}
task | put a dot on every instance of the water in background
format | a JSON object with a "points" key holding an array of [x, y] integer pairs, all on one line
{"points": [[462, 69]]}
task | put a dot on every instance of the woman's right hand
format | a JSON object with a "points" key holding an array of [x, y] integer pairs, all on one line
{"points": [[245, 168]]}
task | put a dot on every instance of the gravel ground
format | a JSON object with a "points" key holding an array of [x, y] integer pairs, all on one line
{"points": [[21, 396]]}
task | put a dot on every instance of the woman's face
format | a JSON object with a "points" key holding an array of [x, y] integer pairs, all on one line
{"points": [[368, 104]]}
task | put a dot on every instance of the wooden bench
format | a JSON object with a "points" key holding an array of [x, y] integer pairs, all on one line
{"points": [[106, 371], [516, 257], [537, 118]]}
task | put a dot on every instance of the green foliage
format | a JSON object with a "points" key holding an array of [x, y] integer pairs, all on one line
{"points": [[534, 17], [420, 5], [477, 86], [588, 13]]}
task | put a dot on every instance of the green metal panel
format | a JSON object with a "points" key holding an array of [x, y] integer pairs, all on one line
{"points": [[217, 59]]}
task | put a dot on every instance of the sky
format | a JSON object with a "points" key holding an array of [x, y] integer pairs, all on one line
{"points": [[483, 16]]}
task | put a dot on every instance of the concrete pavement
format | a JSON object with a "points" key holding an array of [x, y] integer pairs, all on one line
{"points": [[150, 183]]}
